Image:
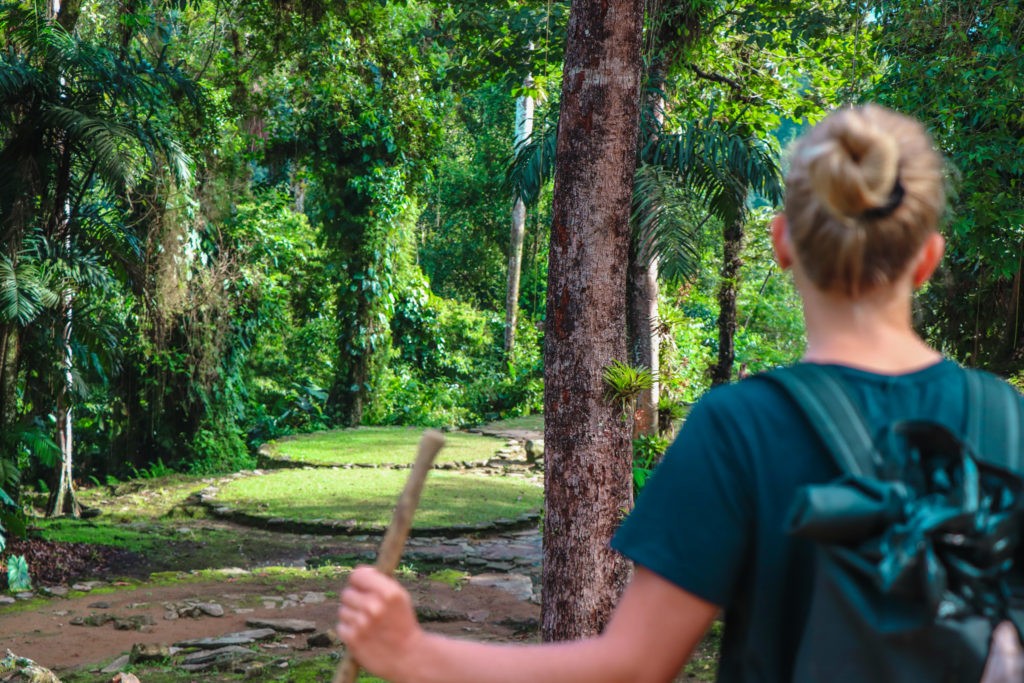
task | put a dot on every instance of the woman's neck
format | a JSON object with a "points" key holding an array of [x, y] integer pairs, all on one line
{"points": [[872, 332]]}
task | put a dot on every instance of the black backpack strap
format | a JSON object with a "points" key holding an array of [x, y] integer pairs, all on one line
{"points": [[822, 395], [994, 417]]}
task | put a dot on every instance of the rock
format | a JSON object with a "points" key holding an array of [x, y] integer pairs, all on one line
{"points": [[134, 623], [254, 670], [148, 652], [283, 625], [225, 657], [211, 609], [55, 591], [116, 665], [99, 605], [323, 639], [93, 620], [424, 613], [534, 450], [312, 598], [516, 584], [479, 616], [500, 566], [23, 670], [229, 639], [125, 677], [25, 595], [6, 600]]}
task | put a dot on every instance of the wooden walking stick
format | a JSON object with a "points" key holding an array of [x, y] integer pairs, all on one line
{"points": [[391, 547]]}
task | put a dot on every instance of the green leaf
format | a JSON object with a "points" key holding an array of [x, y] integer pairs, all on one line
{"points": [[18, 578]]}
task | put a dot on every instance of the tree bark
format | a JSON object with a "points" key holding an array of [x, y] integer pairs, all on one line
{"points": [[587, 455], [9, 343], [728, 285], [524, 128]]}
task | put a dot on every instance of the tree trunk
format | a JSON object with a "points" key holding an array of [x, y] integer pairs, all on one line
{"points": [[524, 128], [728, 285], [63, 500], [642, 327], [1014, 346], [587, 455], [9, 342], [642, 330]]}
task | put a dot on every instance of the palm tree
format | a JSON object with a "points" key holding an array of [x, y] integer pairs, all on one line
{"points": [[720, 165], [76, 124]]}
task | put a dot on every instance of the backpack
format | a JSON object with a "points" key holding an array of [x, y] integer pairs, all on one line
{"points": [[920, 569]]}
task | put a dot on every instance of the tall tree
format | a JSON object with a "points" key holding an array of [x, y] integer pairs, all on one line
{"points": [[523, 131], [957, 67], [587, 456], [674, 27]]}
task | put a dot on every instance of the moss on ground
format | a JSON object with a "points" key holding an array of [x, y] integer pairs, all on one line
{"points": [[290, 669], [380, 445], [367, 497]]}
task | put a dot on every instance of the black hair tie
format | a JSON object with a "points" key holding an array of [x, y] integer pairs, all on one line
{"points": [[895, 199]]}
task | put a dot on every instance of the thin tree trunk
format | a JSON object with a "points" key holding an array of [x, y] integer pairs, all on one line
{"points": [[642, 327], [587, 455], [63, 500], [728, 286], [524, 128], [1015, 314], [9, 343]]}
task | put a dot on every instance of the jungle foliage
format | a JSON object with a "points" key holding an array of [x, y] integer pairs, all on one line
{"points": [[225, 222]]}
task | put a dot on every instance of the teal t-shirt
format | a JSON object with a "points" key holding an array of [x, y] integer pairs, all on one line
{"points": [[711, 518]]}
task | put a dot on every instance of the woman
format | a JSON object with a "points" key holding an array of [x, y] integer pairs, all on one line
{"points": [[864, 196]]}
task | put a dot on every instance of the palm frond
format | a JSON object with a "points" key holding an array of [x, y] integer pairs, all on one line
{"points": [[532, 164], [107, 143], [719, 164], [25, 291], [663, 223]]}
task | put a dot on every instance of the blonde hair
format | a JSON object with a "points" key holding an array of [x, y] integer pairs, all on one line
{"points": [[864, 190]]}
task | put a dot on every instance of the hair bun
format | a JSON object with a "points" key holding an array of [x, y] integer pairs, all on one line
{"points": [[855, 170]]}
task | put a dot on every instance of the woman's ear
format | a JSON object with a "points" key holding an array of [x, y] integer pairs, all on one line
{"points": [[780, 241], [928, 258]]}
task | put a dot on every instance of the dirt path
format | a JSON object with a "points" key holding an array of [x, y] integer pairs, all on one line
{"points": [[47, 634]]}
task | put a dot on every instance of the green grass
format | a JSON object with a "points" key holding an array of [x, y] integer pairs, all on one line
{"points": [[533, 423], [368, 496], [381, 445]]}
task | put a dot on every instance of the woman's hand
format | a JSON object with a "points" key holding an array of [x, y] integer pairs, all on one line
{"points": [[377, 622]]}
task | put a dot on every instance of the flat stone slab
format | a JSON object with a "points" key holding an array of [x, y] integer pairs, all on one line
{"points": [[283, 625], [116, 665], [518, 585], [228, 639], [208, 659]]}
